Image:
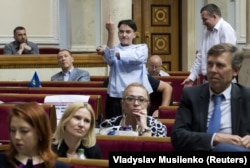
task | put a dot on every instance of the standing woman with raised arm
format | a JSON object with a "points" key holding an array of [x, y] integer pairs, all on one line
{"points": [[127, 63]]}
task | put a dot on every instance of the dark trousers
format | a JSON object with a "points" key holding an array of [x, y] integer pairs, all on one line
{"points": [[113, 107]]}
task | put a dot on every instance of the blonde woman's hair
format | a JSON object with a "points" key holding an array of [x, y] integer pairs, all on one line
{"points": [[135, 84], [89, 139]]}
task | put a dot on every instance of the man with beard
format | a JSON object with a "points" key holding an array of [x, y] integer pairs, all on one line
{"points": [[21, 45]]}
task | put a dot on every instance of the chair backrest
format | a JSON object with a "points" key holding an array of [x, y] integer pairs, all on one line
{"points": [[115, 143], [169, 123], [4, 113], [176, 84], [167, 112], [4, 147], [94, 100], [1, 51], [178, 73], [98, 78], [85, 163], [48, 50]]}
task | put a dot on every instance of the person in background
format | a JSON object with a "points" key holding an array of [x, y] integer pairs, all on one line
{"points": [[30, 139], [155, 66], [192, 129], [21, 45], [158, 86], [69, 72], [127, 65], [217, 31], [134, 105], [76, 130]]}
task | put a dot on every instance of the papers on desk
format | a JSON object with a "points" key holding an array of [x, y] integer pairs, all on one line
{"points": [[61, 102]]}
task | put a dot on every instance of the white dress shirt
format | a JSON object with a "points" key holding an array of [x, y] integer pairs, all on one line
{"points": [[221, 33]]}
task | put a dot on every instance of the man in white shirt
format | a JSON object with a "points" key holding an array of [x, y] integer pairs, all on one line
{"points": [[155, 66], [217, 31]]}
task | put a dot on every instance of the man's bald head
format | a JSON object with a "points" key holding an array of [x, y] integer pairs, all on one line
{"points": [[154, 65]]}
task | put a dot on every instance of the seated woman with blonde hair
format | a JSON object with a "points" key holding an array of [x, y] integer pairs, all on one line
{"points": [[30, 139], [76, 130], [134, 106]]}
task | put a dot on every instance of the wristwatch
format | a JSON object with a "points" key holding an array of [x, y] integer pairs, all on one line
{"points": [[144, 130]]}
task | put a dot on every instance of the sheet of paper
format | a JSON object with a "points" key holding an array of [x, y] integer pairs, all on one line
{"points": [[61, 102]]}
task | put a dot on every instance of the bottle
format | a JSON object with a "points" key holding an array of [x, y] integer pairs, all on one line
{"points": [[81, 153], [129, 128]]}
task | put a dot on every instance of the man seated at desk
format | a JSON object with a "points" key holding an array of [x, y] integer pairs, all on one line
{"points": [[21, 45], [69, 73]]}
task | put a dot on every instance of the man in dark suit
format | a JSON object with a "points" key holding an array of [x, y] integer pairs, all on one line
{"points": [[196, 107], [69, 73]]}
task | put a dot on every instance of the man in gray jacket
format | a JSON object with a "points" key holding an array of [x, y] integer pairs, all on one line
{"points": [[21, 45], [69, 73]]}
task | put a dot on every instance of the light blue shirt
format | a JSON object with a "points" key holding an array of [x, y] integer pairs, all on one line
{"points": [[131, 67], [67, 74]]}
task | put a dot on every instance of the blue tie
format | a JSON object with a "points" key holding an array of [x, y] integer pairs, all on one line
{"points": [[214, 124]]}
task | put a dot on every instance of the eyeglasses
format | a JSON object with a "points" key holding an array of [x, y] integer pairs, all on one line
{"points": [[131, 99], [155, 67]]}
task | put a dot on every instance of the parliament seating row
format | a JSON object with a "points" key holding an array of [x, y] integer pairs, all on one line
{"points": [[52, 84], [176, 83], [169, 123], [74, 162], [4, 113], [171, 73], [174, 80], [42, 50], [94, 100], [85, 163], [97, 82], [155, 99], [60, 90], [111, 143], [50, 109], [167, 112]]}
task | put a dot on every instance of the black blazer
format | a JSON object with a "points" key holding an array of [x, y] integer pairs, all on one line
{"points": [[91, 153], [189, 131]]}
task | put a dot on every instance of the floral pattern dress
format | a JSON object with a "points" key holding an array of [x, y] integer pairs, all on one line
{"points": [[157, 128]]}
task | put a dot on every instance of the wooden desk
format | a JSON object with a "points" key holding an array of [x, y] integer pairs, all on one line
{"points": [[48, 61]]}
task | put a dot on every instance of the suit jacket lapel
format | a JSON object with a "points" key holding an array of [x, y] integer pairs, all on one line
{"points": [[203, 107], [236, 105], [61, 76]]}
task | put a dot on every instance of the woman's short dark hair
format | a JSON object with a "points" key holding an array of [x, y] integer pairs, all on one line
{"points": [[128, 22]]}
